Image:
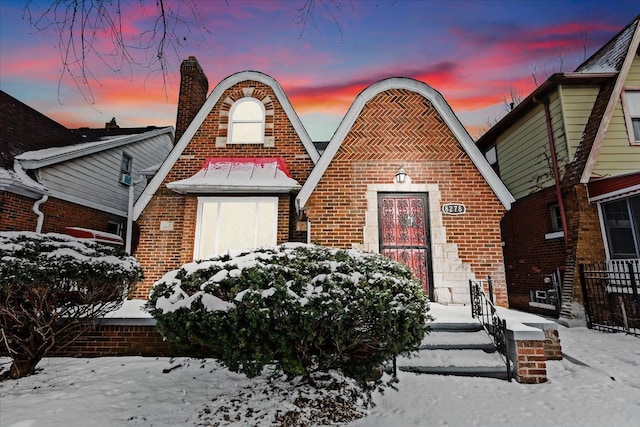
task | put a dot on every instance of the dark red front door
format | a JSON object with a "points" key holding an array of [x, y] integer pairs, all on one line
{"points": [[404, 231]]}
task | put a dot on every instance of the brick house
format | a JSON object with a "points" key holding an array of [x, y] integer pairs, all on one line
{"points": [[75, 181], [400, 176], [570, 155]]}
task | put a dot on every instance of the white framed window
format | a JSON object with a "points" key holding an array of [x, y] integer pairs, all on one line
{"points": [[225, 223], [631, 108], [246, 122]]}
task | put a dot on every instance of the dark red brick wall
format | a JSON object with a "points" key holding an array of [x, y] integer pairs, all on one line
{"points": [[16, 214], [193, 93], [528, 255]]}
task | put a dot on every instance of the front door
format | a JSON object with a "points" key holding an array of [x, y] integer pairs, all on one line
{"points": [[404, 231]]}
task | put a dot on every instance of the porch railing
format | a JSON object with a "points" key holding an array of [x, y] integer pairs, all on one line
{"points": [[482, 308], [611, 295]]}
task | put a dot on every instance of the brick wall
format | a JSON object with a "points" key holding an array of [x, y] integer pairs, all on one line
{"points": [[585, 235], [193, 93], [16, 214], [523, 230], [400, 127], [531, 367], [161, 251], [118, 340]]}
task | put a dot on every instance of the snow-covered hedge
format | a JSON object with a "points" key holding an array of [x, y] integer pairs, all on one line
{"points": [[50, 286], [300, 307]]}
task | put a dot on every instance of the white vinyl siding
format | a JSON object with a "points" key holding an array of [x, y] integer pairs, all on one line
{"points": [[93, 180], [228, 223]]}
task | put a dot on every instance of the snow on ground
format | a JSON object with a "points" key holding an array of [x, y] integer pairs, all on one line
{"points": [[597, 385]]}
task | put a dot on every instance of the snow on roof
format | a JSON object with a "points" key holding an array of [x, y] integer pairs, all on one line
{"points": [[612, 55], [48, 156], [238, 175], [20, 183]]}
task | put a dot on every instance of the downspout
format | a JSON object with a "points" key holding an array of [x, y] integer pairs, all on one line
{"points": [[129, 234], [37, 211], [554, 164]]}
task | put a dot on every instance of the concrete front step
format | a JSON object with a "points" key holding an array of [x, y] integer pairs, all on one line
{"points": [[462, 349], [477, 371]]}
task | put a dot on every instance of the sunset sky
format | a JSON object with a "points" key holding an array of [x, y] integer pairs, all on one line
{"points": [[473, 52]]}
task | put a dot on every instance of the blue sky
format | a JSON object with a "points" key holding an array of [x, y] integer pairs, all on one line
{"points": [[473, 52]]}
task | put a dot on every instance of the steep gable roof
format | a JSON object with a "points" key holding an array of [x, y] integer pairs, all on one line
{"points": [[443, 109], [619, 52], [206, 108]]}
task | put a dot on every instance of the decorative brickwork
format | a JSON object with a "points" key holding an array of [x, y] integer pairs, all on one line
{"points": [[399, 127], [168, 223]]}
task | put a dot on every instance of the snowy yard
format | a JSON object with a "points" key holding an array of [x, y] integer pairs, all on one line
{"points": [[134, 391]]}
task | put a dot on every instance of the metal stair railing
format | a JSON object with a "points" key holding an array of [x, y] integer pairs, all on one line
{"points": [[483, 309]]}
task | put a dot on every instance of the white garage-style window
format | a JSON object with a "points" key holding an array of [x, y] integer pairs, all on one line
{"points": [[225, 223], [246, 122]]}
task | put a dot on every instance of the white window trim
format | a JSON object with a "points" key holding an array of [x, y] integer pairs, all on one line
{"points": [[627, 114], [232, 121], [216, 199]]}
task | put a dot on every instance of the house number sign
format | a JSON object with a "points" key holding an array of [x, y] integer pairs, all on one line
{"points": [[454, 209]]}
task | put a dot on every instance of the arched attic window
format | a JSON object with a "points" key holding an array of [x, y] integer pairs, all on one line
{"points": [[246, 122]]}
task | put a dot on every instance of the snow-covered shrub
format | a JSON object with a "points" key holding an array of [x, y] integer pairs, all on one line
{"points": [[51, 287], [302, 308]]}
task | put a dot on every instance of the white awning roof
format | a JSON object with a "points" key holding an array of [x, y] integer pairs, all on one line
{"points": [[239, 175]]}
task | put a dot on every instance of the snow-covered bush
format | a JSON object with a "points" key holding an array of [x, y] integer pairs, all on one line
{"points": [[302, 308], [51, 287]]}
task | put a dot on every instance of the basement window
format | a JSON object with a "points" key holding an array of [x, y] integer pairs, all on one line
{"points": [[246, 122], [228, 223], [631, 107]]}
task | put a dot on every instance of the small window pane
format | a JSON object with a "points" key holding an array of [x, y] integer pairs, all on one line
{"points": [[636, 128], [247, 110], [247, 133], [633, 102], [491, 156]]}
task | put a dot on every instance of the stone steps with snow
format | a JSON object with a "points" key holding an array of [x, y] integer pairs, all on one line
{"points": [[461, 348]]}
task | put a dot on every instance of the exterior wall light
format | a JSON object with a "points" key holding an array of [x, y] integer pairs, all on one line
{"points": [[401, 176]]}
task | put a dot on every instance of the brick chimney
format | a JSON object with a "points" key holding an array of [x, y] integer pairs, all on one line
{"points": [[193, 92]]}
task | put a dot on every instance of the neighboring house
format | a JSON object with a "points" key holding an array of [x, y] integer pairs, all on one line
{"points": [[570, 155], [53, 178], [400, 176]]}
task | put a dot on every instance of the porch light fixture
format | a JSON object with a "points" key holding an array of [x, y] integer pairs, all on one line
{"points": [[401, 176]]}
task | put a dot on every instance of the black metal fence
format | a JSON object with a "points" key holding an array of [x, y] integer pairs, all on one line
{"points": [[610, 292], [482, 308]]}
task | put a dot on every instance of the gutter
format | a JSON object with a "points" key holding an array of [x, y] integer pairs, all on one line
{"points": [[37, 211], [554, 164]]}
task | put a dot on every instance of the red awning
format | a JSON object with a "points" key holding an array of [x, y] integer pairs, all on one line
{"points": [[614, 187], [98, 236], [239, 175]]}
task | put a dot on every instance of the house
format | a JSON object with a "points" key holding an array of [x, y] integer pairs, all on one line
{"points": [[400, 176], [570, 155], [54, 179]]}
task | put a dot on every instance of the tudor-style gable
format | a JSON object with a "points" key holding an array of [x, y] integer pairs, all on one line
{"points": [[230, 180]]}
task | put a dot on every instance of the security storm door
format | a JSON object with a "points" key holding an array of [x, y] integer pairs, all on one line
{"points": [[404, 231]]}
